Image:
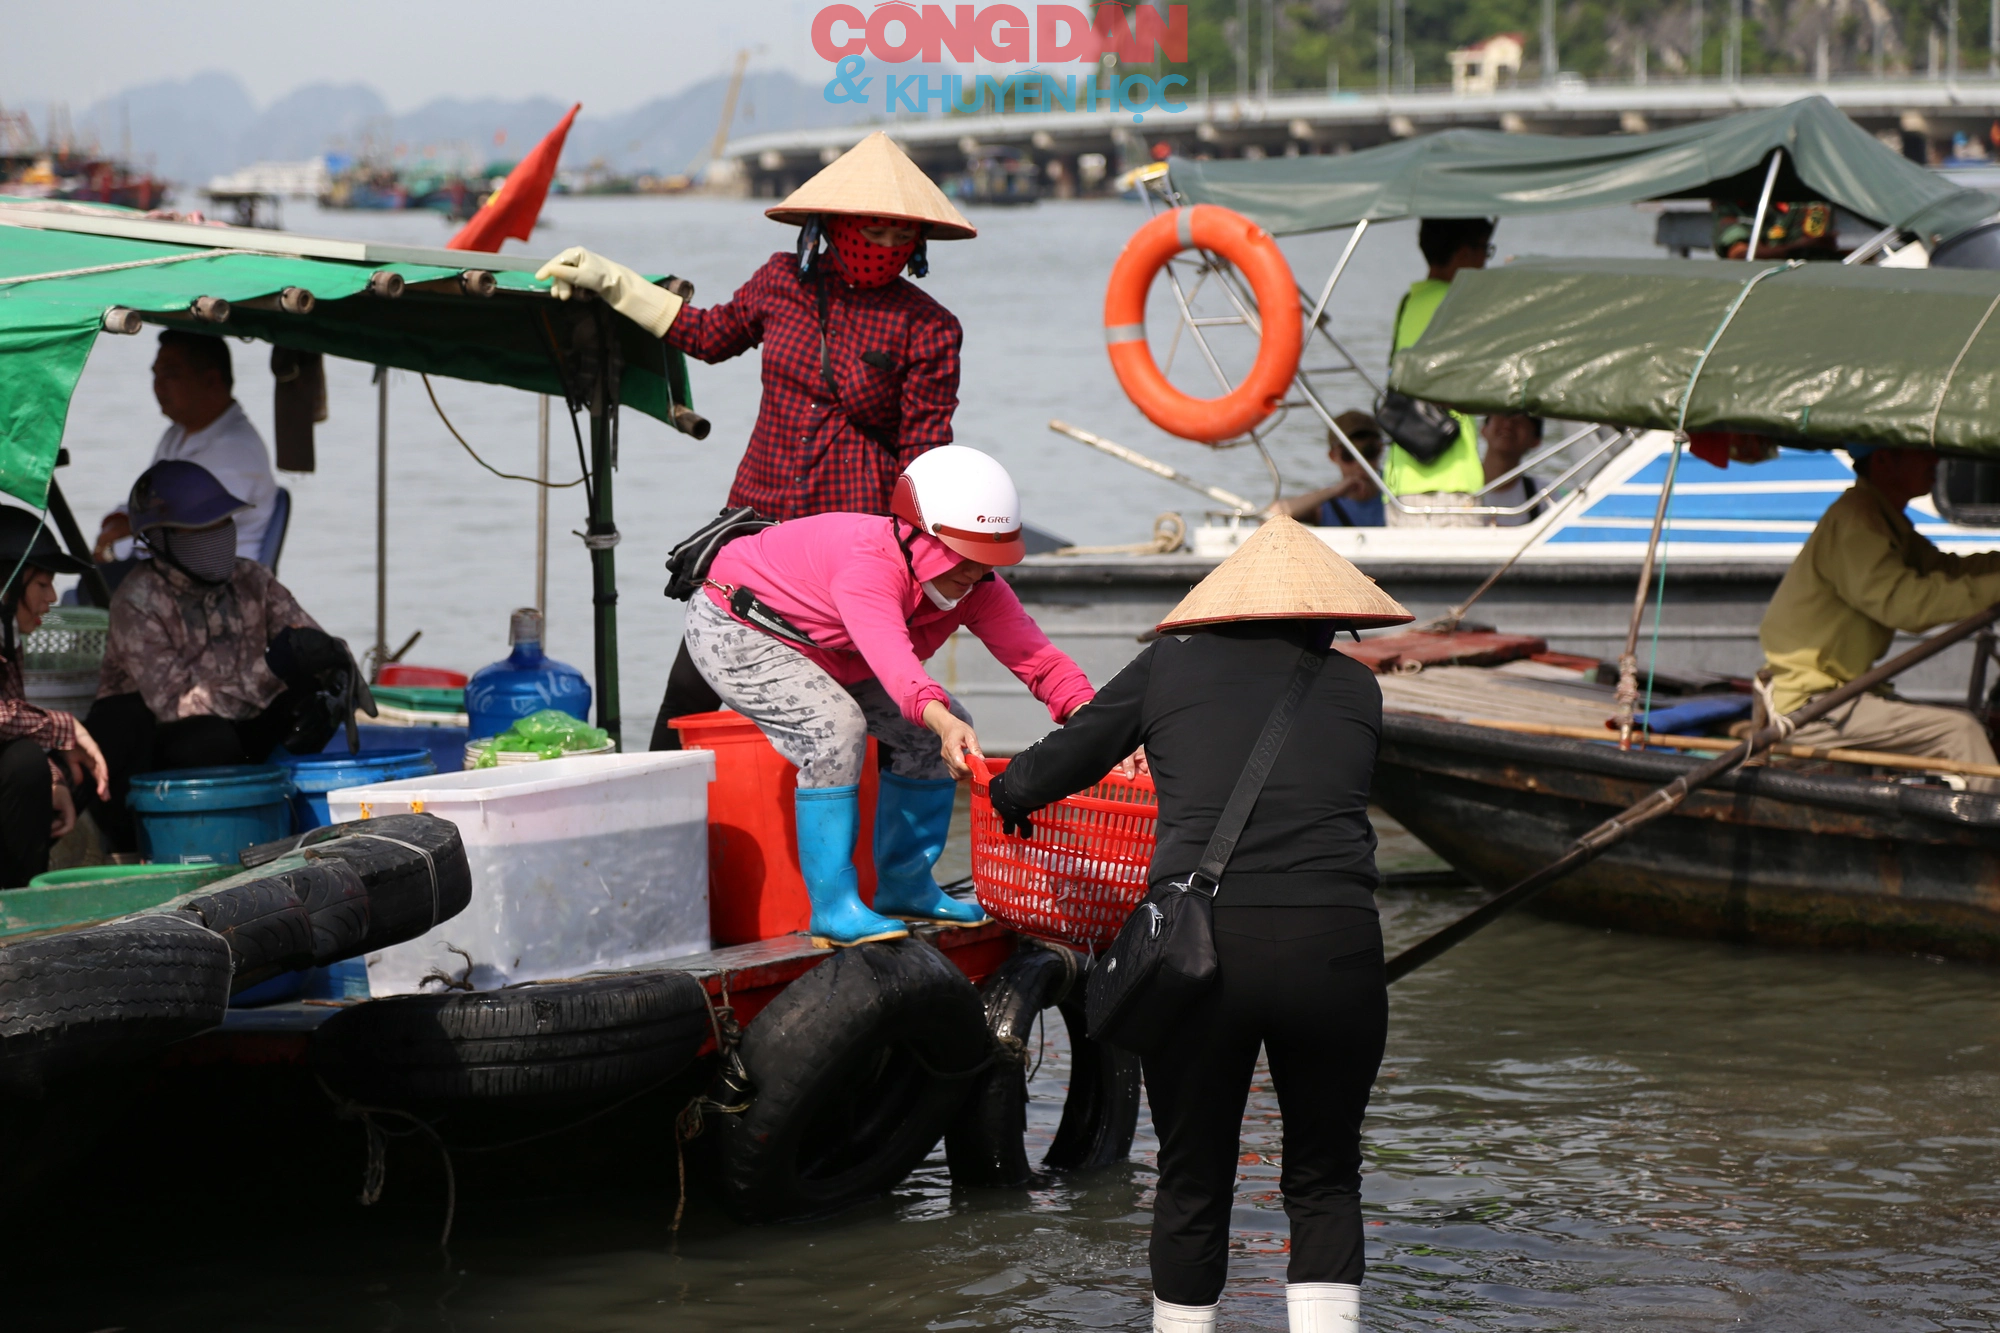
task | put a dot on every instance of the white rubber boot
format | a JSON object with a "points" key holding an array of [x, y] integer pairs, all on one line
{"points": [[1171, 1318], [1323, 1307]]}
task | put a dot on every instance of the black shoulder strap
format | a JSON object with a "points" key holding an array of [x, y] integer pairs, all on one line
{"points": [[1235, 814], [1396, 328]]}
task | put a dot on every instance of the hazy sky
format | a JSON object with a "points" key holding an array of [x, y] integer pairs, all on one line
{"points": [[613, 54]]}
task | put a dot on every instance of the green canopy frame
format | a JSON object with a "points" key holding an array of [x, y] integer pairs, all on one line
{"points": [[69, 273], [1803, 151]]}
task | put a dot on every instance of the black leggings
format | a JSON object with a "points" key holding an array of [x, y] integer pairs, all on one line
{"points": [[134, 741], [27, 810], [1306, 985]]}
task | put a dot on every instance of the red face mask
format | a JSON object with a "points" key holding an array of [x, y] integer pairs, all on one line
{"points": [[862, 262]]}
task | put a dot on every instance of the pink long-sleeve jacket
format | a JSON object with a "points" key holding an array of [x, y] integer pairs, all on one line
{"points": [[843, 580]]}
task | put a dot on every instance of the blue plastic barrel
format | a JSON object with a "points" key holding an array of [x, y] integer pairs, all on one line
{"points": [[525, 681], [314, 775], [446, 744], [210, 814]]}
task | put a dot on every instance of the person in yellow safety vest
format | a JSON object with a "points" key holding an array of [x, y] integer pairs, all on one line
{"points": [[1455, 476], [1865, 573]]}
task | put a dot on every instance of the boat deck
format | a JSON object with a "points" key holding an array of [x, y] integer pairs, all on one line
{"points": [[1512, 692]]}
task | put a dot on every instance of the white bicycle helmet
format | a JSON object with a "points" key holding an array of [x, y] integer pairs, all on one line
{"points": [[966, 500]]}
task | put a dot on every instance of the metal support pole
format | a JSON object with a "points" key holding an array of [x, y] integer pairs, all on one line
{"points": [[1735, 41], [1242, 50], [1701, 36], [1267, 74], [1402, 35], [542, 509], [1993, 39], [1549, 58], [601, 536], [1951, 42], [1764, 203], [79, 545], [381, 650], [1382, 47]]}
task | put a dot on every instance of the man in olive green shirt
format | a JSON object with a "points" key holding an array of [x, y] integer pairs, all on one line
{"points": [[1864, 574]]}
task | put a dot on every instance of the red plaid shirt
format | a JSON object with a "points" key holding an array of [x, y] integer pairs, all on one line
{"points": [[809, 453], [19, 719]]}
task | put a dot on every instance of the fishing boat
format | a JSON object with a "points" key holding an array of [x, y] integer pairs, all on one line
{"points": [[799, 1080], [1500, 767], [1733, 531]]}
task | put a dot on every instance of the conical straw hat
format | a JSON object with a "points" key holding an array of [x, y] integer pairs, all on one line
{"points": [[876, 179], [1283, 572]]}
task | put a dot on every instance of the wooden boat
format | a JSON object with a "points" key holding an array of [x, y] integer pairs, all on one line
{"points": [[1819, 855], [795, 1081]]}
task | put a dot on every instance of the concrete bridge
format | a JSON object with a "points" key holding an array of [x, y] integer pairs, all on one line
{"points": [[1078, 151]]}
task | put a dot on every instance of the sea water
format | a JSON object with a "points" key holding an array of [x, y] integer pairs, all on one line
{"points": [[1574, 1129]]}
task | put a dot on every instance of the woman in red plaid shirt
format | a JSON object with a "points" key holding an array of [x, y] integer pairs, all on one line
{"points": [[860, 368]]}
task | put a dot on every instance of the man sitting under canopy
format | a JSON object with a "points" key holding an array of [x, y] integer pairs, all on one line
{"points": [[195, 384], [1864, 574]]}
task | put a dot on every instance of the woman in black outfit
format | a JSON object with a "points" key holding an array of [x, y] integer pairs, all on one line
{"points": [[1296, 935]]}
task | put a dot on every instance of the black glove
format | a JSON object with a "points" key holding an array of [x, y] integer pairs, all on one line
{"points": [[1014, 821], [320, 668], [301, 655]]}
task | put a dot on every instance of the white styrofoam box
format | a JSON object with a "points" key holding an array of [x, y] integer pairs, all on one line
{"points": [[590, 862]]}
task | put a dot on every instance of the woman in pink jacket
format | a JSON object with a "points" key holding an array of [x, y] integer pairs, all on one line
{"points": [[817, 631]]}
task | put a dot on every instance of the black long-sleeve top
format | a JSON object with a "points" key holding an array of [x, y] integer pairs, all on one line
{"points": [[1198, 703]]}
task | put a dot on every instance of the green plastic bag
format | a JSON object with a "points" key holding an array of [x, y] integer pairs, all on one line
{"points": [[548, 734]]}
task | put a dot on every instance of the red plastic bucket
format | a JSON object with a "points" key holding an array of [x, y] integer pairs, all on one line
{"points": [[754, 888]]}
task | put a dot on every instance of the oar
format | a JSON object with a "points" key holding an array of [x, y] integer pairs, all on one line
{"points": [[1615, 829]]}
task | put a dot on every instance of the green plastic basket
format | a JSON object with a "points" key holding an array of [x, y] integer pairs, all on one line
{"points": [[69, 639]]}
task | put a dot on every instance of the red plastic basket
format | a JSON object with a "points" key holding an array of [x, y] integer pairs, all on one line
{"points": [[1081, 874]]}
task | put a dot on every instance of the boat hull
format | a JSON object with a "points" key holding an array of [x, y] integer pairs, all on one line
{"points": [[1768, 855]]}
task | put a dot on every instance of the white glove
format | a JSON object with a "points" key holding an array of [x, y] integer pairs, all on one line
{"points": [[651, 308]]}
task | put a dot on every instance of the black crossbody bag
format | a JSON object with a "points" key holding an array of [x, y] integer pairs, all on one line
{"points": [[1164, 956]]}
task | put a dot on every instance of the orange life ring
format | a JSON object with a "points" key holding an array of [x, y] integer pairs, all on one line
{"points": [[1250, 248]]}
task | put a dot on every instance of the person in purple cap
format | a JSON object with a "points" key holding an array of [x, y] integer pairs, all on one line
{"points": [[210, 660]]}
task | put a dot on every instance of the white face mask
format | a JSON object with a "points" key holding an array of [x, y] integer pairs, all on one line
{"points": [[938, 599]]}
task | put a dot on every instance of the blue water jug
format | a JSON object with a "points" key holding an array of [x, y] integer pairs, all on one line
{"points": [[526, 682]]}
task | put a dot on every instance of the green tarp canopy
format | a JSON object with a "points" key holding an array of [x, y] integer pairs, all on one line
{"points": [[60, 271], [1823, 353], [1485, 173]]}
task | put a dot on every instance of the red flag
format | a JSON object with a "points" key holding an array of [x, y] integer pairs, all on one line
{"points": [[518, 202]]}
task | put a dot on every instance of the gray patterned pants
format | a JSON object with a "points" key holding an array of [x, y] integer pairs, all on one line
{"points": [[813, 720]]}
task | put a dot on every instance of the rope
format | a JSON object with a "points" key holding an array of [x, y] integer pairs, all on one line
{"points": [[510, 476], [1451, 619], [375, 1174], [1945, 388], [1701, 362], [1780, 722], [113, 268], [429, 864], [1628, 661], [463, 981], [1004, 1048]]}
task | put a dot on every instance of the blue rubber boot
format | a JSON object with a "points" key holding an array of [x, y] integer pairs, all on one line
{"points": [[912, 818], [829, 821]]}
